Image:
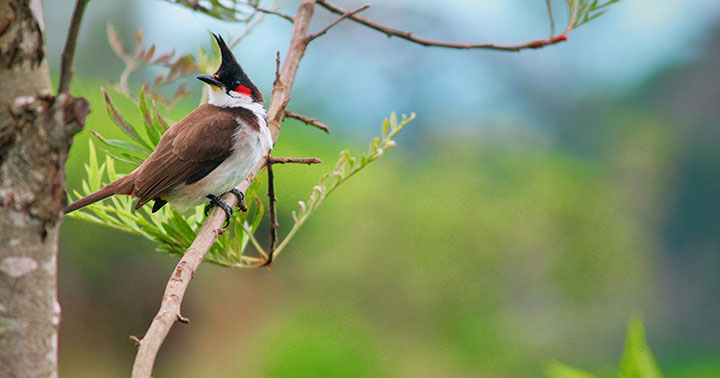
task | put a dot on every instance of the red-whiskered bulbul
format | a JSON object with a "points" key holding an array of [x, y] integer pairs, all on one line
{"points": [[207, 153]]}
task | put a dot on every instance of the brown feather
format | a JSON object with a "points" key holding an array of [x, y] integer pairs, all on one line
{"points": [[190, 150], [123, 185]]}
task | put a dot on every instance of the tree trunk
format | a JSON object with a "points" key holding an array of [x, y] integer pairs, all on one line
{"points": [[36, 131]]}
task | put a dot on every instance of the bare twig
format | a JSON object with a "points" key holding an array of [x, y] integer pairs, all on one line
{"points": [[284, 160], [308, 121], [277, 82], [249, 29], [274, 225], [551, 17], [68, 54], [345, 15], [209, 231], [408, 36], [272, 11]]}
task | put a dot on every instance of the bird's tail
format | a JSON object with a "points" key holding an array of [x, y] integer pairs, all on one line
{"points": [[123, 185]]}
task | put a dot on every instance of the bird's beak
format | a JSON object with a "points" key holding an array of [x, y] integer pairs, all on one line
{"points": [[210, 79]]}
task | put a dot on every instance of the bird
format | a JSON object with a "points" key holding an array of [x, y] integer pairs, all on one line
{"points": [[204, 155]]}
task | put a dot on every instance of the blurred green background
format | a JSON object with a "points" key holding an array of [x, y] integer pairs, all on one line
{"points": [[538, 200]]}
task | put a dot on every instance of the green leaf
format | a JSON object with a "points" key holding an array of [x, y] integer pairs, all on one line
{"points": [[637, 360], [559, 370], [158, 118], [120, 121], [153, 133], [121, 144]]}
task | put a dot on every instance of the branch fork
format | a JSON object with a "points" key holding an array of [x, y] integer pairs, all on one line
{"points": [[345, 15]]}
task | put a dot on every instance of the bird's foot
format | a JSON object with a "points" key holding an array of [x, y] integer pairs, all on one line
{"points": [[216, 201], [241, 199]]}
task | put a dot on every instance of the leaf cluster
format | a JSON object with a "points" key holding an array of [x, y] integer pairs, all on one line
{"points": [[590, 10], [226, 10], [637, 360], [177, 67]]}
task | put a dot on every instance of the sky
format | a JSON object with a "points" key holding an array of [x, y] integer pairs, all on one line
{"points": [[368, 75]]}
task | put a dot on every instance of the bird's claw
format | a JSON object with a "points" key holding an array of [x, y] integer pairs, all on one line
{"points": [[241, 199], [216, 201]]}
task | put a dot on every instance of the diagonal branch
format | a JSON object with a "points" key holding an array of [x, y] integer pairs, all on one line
{"points": [[68, 54], [307, 120], [276, 13], [209, 231], [284, 160], [408, 36], [345, 15]]}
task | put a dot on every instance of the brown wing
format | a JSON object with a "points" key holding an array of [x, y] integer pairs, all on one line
{"points": [[187, 152]]}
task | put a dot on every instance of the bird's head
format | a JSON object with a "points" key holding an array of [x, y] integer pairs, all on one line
{"points": [[229, 85]]}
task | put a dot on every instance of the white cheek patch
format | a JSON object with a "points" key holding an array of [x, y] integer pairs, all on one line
{"points": [[230, 99]]}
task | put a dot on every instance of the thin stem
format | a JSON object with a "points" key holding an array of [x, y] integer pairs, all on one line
{"points": [[274, 225], [551, 17], [408, 36], [68, 54], [311, 37], [275, 12], [254, 242], [308, 121]]}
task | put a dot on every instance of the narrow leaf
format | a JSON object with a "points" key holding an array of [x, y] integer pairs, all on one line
{"points": [[637, 360]]}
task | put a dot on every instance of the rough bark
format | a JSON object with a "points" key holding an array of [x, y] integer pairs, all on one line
{"points": [[36, 131]]}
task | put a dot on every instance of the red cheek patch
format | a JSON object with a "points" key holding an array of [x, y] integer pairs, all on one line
{"points": [[244, 90]]}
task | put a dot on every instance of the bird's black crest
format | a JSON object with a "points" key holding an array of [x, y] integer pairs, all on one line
{"points": [[229, 67], [230, 73]]}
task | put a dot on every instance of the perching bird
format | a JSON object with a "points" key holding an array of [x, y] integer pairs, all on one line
{"points": [[207, 153]]}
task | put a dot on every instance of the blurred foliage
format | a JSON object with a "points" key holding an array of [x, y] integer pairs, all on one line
{"points": [[558, 370], [177, 67], [637, 360]]}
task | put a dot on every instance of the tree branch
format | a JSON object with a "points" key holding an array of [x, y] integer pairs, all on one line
{"points": [[274, 225], [272, 11], [307, 120], [68, 53], [345, 15], [283, 160], [208, 233], [408, 36], [551, 17]]}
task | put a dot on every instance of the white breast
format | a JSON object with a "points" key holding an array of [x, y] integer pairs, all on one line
{"points": [[249, 147]]}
